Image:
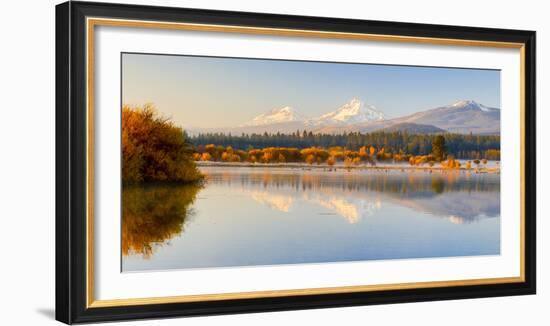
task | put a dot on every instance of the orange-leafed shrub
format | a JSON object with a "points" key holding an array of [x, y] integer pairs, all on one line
{"points": [[451, 163], [310, 159], [206, 157], [154, 149]]}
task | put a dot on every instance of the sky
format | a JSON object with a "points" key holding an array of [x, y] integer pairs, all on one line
{"points": [[211, 92]]}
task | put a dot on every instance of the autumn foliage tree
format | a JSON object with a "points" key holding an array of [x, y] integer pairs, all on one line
{"points": [[331, 156], [462, 146], [451, 163], [154, 149]]}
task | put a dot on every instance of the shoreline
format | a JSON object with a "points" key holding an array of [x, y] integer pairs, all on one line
{"points": [[324, 166]]}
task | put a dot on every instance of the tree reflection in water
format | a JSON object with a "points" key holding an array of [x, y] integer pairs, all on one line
{"points": [[460, 196], [399, 184], [153, 214]]}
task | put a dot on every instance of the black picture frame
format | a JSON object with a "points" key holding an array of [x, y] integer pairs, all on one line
{"points": [[71, 158]]}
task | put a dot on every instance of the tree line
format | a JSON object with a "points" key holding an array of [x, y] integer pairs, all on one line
{"points": [[459, 145], [154, 149], [366, 155]]}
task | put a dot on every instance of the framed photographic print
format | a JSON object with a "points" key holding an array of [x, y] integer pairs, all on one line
{"points": [[212, 162]]}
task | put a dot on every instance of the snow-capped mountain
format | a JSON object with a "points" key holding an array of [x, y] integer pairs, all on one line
{"points": [[287, 119], [472, 105], [277, 115], [355, 111], [462, 117], [466, 116]]}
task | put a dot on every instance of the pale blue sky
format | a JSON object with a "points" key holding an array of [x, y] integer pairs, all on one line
{"points": [[224, 92]]}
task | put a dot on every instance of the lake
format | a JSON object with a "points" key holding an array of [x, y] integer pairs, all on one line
{"points": [[246, 216]]}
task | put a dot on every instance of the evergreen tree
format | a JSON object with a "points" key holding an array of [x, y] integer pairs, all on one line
{"points": [[439, 150]]}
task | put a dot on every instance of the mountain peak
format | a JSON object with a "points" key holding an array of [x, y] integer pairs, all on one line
{"points": [[354, 111], [464, 116], [276, 115], [352, 107], [285, 109], [462, 103], [472, 105], [354, 101]]}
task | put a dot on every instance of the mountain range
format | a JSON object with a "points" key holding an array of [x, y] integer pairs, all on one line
{"points": [[465, 116]]}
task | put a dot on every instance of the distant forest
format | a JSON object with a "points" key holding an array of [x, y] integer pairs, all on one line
{"points": [[460, 146]]}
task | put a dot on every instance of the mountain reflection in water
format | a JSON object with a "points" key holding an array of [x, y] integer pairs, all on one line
{"points": [[462, 197], [388, 214]]}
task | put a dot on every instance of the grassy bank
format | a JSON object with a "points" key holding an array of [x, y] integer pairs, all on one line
{"points": [[326, 167]]}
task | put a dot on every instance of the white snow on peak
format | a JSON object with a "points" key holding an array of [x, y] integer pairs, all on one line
{"points": [[464, 103], [354, 111], [277, 115], [471, 104]]}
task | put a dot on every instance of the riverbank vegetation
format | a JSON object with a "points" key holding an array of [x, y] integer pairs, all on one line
{"points": [[460, 146], [365, 156], [154, 149]]}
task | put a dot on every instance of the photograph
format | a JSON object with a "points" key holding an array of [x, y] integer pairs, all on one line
{"points": [[233, 162], [215, 160]]}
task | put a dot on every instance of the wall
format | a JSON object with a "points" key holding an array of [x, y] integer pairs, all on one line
{"points": [[27, 161]]}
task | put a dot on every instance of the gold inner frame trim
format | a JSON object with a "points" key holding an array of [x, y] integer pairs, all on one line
{"points": [[92, 22], [283, 293]]}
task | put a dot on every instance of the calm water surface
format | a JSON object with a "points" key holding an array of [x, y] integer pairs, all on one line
{"points": [[264, 216]]}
